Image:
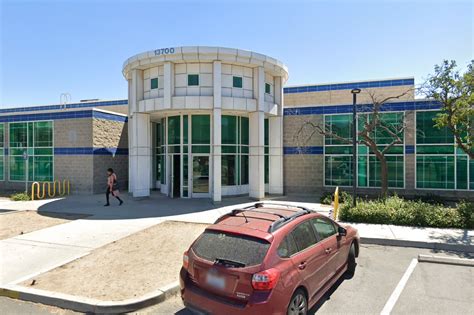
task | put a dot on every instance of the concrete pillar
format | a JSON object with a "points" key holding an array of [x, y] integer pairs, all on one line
{"points": [[216, 133], [256, 138], [276, 154], [140, 154], [168, 87]]}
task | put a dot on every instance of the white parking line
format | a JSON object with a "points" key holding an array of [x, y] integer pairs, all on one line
{"points": [[398, 290]]}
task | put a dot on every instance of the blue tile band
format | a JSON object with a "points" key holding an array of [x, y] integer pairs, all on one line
{"points": [[348, 86], [361, 108], [91, 151], [63, 115], [303, 150], [409, 149], [57, 107]]}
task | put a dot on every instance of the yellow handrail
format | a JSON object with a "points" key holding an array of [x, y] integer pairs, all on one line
{"points": [[52, 192], [336, 203]]}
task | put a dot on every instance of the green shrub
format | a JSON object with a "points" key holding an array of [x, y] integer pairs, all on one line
{"points": [[398, 211], [328, 198], [20, 197], [466, 212]]}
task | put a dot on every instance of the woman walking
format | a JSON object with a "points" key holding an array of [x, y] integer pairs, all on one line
{"points": [[112, 187]]}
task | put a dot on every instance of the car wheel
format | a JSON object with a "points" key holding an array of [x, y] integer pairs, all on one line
{"points": [[351, 260], [298, 304]]}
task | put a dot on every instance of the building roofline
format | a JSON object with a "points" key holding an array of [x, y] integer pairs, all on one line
{"points": [[351, 82], [100, 103]]}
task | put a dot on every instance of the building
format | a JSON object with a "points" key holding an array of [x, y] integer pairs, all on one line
{"points": [[77, 142], [213, 122]]}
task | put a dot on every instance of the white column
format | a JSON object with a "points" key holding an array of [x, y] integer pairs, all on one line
{"points": [[168, 86], [276, 155], [216, 133], [140, 154], [256, 138]]}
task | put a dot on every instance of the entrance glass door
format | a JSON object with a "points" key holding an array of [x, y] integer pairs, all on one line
{"points": [[201, 176]]}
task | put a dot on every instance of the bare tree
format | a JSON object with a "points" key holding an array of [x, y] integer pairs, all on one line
{"points": [[373, 123]]}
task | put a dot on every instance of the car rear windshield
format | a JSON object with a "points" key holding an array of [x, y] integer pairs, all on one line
{"points": [[241, 249]]}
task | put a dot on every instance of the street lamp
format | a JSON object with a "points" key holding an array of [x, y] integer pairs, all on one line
{"points": [[354, 145]]}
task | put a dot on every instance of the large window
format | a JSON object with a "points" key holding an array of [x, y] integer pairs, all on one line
{"points": [[338, 152], [235, 150], [2, 152], [35, 139], [439, 164]]}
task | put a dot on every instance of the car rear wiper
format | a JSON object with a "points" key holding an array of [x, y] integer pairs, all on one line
{"points": [[228, 263]]}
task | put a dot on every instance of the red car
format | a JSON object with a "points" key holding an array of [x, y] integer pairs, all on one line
{"points": [[266, 259]]}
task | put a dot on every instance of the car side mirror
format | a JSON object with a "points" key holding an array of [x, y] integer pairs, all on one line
{"points": [[341, 231]]}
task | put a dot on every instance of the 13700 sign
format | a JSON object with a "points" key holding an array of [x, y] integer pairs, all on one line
{"points": [[164, 51]]}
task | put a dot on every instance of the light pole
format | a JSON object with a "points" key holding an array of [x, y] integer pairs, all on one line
{"points": [[354, 145]]}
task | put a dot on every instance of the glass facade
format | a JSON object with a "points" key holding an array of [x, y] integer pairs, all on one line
{"points": [[338, 152], [235, 150], [36, 139], [439, 164]]}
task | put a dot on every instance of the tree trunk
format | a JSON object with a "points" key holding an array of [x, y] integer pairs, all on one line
{"points": [[383, 176]]}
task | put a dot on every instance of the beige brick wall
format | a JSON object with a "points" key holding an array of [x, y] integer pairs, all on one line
{"points": [[338, 97], [78, 169], [303, 173], [109, 134], [71, 133], [298, 130]]}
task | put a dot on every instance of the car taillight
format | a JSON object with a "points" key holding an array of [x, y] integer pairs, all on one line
{"points": [[185, 260], [265, 280]]}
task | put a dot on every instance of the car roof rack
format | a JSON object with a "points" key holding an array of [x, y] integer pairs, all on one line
{"points": [[282, 219]]}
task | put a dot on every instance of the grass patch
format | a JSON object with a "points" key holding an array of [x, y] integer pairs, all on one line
{"points": [[20, 197], [398, 211]]}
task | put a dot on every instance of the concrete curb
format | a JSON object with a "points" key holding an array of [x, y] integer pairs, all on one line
{"points": [[417, 244], [446, 260], [88, 305]]}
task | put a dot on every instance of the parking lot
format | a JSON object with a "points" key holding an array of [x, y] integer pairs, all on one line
{"points": [[431, 288]]}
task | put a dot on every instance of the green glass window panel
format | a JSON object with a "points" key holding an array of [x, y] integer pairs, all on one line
{"points": [[267, 169], [434, 149], [237, 82], [338, 170], [362, 150], [185, 170], [228, 170], [43, 168], [268, 88], [201, 149], [426, 132], [163, 170], [340, 125], [185, 129], [391, 121], [471, 174], [154, 83], [17, 168], [14, 151], [43, 151], [244, 149], [2, 163], [338, 150], [266, 150], [266, 131], [229, 149], [2, 135], [461, 172], [193, 79], [185, 149], [159, 135], [395, 171], [18, 135], [158, 167], [244, 169], [174, 130], [435, 172], [229, 133], [397, 149], [201, 129], [244, 130], [237, 169], [185, 192], [174, 149], [362, 180], [460, 151]]}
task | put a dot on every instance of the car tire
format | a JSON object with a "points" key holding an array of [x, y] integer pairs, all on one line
{"points": [[298, 303], [351, 260]]}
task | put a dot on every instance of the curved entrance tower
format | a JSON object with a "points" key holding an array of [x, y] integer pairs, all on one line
{"points": [[205, 122]]}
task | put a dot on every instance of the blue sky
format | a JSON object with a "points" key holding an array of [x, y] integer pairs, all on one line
{"points": [[51, 47]]}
